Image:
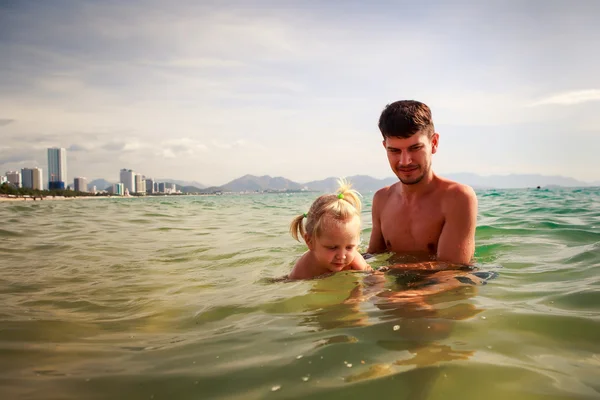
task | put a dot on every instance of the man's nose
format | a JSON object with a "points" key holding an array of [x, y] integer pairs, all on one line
{"points": [[405, 158]]}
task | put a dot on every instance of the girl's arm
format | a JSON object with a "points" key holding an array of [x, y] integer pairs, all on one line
{"points": [[359, 263]]}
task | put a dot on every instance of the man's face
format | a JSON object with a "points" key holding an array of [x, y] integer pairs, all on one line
{"points": [[410, 158]]}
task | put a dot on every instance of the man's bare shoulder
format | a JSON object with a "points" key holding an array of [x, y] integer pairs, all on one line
{"points": [[383, 193], [455, 193]]}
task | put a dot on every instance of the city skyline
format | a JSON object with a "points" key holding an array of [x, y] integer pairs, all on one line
{"points": [[32, 177], [296, 90], [167, 185]]}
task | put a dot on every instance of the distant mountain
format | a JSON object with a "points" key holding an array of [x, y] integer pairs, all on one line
{"points": [[514, 180], [101, 184], [251, 183], [212, 189], [362, 183], [324, 185], [365, 183], [189, 189], [181, 183]]}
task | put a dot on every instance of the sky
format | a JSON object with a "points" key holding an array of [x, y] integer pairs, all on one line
{"points": [[213, 90]]}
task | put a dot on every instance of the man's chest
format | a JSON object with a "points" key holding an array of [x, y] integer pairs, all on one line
{"points": [[414, 228]]}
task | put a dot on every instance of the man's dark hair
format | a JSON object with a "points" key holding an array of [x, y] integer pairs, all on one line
{"points": [[404, 118]]}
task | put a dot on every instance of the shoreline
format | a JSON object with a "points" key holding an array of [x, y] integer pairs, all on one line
{"points": [[12, 198], [52, 198]]}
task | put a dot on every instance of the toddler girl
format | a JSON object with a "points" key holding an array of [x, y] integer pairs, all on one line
{"points": [[332, 234]]}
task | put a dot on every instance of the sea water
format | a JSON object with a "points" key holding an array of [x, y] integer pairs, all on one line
{"points": [[174, 298]]}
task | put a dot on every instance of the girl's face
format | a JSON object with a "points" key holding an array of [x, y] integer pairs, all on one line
{"points": [[337, 245]]}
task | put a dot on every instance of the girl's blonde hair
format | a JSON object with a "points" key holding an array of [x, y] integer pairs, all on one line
{"points": [[341, 206]]}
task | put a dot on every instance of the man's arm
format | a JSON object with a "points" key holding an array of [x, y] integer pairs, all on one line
{"points": [[457, 241], [377, 243]]}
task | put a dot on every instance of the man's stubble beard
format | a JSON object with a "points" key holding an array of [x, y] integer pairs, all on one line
{"points": [[417, 179]]}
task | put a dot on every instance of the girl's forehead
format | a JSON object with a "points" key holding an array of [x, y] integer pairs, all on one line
{"points": [[333, 224]]}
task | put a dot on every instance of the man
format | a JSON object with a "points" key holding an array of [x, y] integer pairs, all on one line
{"points": [[422, 215]]}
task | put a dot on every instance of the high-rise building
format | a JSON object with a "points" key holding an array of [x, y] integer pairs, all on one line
{"points": [[167, 187], [149, 186], [128, 180], [81, 184], [119, 189], [32, 178], [57, 168], [27, 178], [3, 179], [140, 184], [14, 178]]}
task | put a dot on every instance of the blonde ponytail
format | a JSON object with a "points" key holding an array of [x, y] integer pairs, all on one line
{"points": [[342, 206], [297, 227], [348, 194]]}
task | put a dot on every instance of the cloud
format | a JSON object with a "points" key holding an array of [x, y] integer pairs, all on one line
{"points": [[123, 146], [123, 83], [179, 147], [167, 153], [114, 146], [236, 144], [76, 147], [221, 145], [570, 98], [198, 63], [20, 158]]}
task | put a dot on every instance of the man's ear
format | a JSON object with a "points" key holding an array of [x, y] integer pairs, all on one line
{"points": [[435, 141], [309, 241]]}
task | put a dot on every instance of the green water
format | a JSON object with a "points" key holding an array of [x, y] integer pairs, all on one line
{"points": [[170, 298]]}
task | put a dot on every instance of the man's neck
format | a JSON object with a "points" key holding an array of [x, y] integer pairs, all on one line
{"points": [[417, 190]]}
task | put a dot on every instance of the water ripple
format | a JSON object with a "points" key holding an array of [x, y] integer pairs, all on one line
{"points": [[173, 297]]}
